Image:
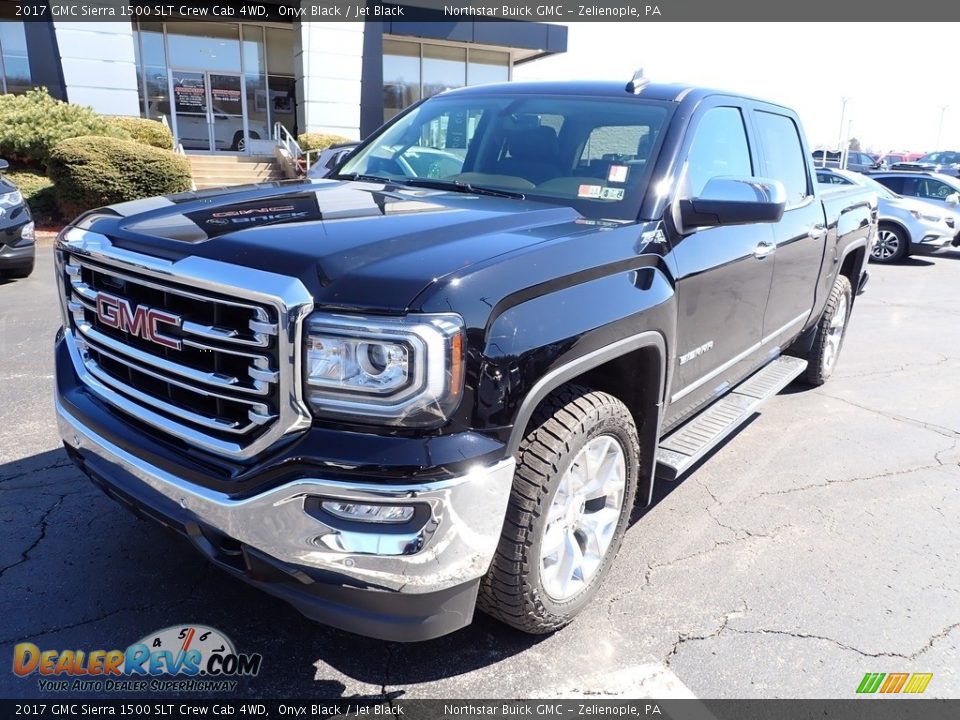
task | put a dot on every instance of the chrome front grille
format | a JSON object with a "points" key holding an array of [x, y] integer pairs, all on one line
{"points": [[211, 364]]}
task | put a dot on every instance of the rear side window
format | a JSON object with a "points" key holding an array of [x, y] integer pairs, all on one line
{"points": [[895, 184], [783, 158], [719, 149]]}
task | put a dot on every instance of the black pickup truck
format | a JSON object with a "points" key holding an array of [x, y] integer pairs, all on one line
{"points": [[444, 378]]}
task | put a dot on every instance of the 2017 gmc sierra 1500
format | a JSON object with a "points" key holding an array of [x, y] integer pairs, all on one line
{"points": [[444, 378]]}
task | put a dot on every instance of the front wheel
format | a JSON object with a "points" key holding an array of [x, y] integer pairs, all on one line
{"points": [[831, 330], [569, 507], [891, 245]]}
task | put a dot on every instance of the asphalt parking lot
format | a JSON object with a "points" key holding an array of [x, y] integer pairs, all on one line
{"points": [[817, 545]]}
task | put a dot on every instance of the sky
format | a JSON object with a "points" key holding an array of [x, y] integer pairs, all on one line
{"points": [[896, 85]]}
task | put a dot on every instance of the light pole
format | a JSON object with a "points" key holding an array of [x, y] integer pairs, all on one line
{"points": [[843, 115], [943, 110]]}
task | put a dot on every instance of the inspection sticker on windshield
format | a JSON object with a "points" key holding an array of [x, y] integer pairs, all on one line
{"points": [[589, 191], [609, 193], [618, 173]]}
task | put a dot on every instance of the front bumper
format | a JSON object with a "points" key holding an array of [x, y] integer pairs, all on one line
{"points": [[408, 582], [16, 253]]}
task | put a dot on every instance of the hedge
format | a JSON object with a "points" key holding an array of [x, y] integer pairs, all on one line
{"points": [[89, 172], [33, 123], [144, 130], [38, 192], [320, 141]]}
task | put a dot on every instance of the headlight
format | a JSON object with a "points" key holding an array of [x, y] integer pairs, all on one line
{"points": [[395, 371], [11, 199]]}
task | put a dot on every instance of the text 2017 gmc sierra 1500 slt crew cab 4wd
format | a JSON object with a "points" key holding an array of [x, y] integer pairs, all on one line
{"points": [[444, 377]]}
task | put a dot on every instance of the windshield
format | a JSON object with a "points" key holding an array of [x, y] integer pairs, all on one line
{"points": [[941, 158], [593, 154]]}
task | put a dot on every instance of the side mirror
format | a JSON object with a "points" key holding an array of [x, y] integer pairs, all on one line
{"points": [[734, 201], [4, 164], [952, 200]]}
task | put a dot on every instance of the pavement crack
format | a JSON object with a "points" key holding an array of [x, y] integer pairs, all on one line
{"points": [[932, 427], [24, 473], [844, 481], [810, 636], [683, 638], [25, 554]]}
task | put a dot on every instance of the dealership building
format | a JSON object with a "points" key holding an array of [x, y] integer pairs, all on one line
{"points": [[222, 86]]}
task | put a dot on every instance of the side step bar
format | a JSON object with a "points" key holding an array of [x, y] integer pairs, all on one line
{"points": [[682, 448]]}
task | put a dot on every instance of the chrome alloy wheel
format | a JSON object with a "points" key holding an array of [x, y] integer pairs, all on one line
{"points": [[583, 518], [887, 245], [835, 332]]}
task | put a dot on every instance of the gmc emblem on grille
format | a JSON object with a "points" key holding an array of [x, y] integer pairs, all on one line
{"points": [[143, 322]]}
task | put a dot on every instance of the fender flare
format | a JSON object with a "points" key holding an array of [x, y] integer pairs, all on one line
{"points": [[566, 372]]}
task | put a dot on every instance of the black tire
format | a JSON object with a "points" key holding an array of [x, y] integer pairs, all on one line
{"points": [[823, 355], [564, 423], [19, 273], [892, 244]]}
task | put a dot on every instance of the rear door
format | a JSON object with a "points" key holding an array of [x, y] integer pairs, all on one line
{"points": [[800, 236], [724, 273]]}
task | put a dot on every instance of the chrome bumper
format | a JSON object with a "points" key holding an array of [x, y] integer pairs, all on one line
{"points": [[454, 545]]}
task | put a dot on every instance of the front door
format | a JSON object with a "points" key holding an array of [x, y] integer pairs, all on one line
{"points": [[209, 110], [724, 274]]}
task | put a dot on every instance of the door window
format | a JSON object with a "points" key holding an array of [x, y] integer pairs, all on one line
{"points": [[719, 149], [783, 157]]}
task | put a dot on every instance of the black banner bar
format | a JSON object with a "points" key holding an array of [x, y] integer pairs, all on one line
{"points": [[873, 708], [555, 11]]}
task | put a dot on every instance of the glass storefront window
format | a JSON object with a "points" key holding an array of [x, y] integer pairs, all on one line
{"points": [[15, 67], [401, 76], [488, 66], [207, 45], [280, 51], [282, 101], [230, 80], [414, 70], [444, 68]]}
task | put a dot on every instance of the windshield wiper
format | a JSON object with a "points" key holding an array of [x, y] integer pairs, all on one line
{"points": [[460, 186]]}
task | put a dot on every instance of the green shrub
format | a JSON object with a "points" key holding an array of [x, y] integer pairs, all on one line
{"points": [[144, 130], [89, 172], [38, 192], [320, 141], [31, 124]]}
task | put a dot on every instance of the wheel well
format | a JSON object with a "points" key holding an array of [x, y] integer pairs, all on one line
{"points": [[852, 265], [634, 379]]}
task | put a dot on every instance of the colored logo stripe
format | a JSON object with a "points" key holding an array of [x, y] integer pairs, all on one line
{"points": [[894, 683], [918, 683], [870, 682]]}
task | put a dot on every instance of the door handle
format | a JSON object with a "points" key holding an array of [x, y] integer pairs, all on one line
{"points": [[817, 231], [764, 249]]}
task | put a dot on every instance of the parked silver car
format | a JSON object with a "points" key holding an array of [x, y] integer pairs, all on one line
{"points": [[907, 225]]}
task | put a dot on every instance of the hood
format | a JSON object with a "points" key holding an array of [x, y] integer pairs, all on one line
{"points": [[354, 245]]}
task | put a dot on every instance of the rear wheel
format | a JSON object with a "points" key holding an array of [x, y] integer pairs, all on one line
{"points": [[891, 244], [831, 330], [569, 507]]}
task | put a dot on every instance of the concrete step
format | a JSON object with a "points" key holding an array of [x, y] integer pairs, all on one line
{"points": [[206, 185], [230, 159], [236, 174]]}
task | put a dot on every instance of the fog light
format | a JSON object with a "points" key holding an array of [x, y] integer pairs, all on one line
{"points": [[368, 513], [28, 232]]}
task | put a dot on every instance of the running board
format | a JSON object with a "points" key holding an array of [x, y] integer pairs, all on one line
{"points": [[695, 438]]}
